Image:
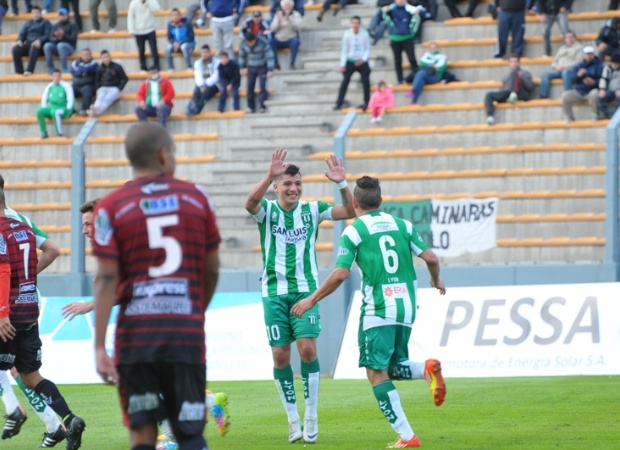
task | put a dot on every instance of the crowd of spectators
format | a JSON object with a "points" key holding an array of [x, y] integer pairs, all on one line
{"points": [[584, 73]]}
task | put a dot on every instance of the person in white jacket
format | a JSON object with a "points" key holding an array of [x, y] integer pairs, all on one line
{"points": [[206, 76], [141, 23]]}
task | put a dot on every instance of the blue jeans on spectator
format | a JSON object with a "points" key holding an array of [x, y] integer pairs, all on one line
{"points": [[377, 26], [293, 44], [60, 49], [161, 112], [562, 19], [514, 23], [422, 78], [255, 72], [546, 77], [186, 48], [224, 96], [242, 6], [2, 14], [603, 104]]}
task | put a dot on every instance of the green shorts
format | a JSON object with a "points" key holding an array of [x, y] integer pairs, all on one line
{"points": [[282, 326], [384, 346]]}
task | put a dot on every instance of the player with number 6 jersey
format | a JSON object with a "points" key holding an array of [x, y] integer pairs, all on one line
{"points": [[156, 242]]}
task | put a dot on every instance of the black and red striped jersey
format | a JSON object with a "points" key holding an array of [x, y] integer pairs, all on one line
{"points": [[18, 247], [158, 229]]}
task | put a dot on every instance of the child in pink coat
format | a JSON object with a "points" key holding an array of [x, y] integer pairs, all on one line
{"points": [[381, 99]]}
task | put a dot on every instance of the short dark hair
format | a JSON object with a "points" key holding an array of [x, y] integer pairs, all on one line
{"points": [[56, 71], [1, 182], [35, 7], [153, 68], [86, 49], [291, 170], [206, 47], [104, 52], [515, 55], [175, 10], [88, 206], [356, 18], [143, 143], [249, 36], [367, 192], [2, 199], [223, 54]]}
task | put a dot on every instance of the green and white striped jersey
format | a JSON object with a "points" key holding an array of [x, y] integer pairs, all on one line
{"points": [[39, 234], [383, 247], [288, 243]]}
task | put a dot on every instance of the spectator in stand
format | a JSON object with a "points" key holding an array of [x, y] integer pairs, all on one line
{"points": [[206, 76], [75, 4], [30, 41], [586, 77], [4, 7], [517, 84], [285, 28], [154, 97], [510, 19], [255, 25], [62, 42], [16, 9], [549, 12], [299, 7], [609, 88], [180, 38], [354, 54], [340, 5], [222, 15], [256, 60], [56, 104], [403, 21], [433, 66], [84, 72], [381, 100], [454, 11], [141, 23], [110, 81], [110, 5], [608, 40], [229, 80], [377, 25], [566, 58], [430, 8], [613, 4]]}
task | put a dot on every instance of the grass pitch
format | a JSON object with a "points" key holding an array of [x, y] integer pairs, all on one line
{"points": [[561, 413]]}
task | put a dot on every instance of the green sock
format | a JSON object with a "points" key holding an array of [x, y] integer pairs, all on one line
{"points": [[286, 388], [310, 376]]}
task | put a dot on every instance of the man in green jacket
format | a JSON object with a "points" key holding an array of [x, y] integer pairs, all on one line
{"points": [[56, 104]]}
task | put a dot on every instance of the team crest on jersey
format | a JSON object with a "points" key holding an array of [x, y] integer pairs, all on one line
{"points": [[159, 205], [2, 245], [20, 235], [306, 216], [103, 227], [274, 216]]}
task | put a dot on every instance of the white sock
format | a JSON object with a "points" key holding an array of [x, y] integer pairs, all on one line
{"points": [[401, 426], [209, 401], [166, 430], [49, 418], [8, 394], [313, 394], [289, 407]]}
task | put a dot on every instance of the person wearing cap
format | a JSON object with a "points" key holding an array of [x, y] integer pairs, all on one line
{"points": [[30, 41], [585, 79], [566, 58], [285, 28], [255, 25], [609, 87], [75, 4], [62, 41]]}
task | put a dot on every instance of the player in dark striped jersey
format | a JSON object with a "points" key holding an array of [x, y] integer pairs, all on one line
{"points": [[19, 312], [156, 242]]}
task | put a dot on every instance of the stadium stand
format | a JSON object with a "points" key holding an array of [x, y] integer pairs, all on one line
{"points": [[548, 175]]}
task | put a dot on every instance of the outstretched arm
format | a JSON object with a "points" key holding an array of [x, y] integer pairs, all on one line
{"points": [[432, 263], [276, 168], [333, 282], [337, 173]]}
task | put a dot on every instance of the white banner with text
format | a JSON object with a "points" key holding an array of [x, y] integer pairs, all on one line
{"points": [[508, 331]]}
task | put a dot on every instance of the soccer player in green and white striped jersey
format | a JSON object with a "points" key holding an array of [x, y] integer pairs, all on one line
{"points": [[16, 415], [383, 247], [288, 230]]}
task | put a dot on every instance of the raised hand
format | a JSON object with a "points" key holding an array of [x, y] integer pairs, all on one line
{"points": [[336, 171], [278, 166]]}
